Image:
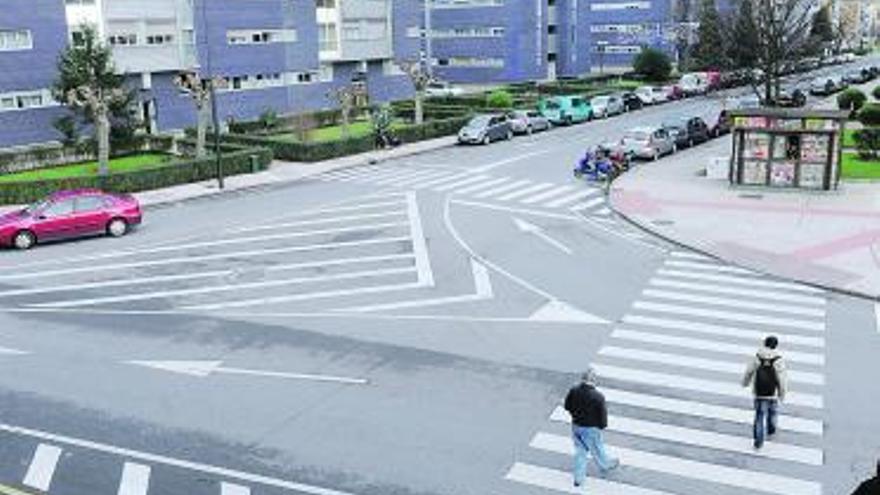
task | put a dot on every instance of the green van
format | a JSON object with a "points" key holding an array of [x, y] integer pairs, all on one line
{"points": [[566, 110]]}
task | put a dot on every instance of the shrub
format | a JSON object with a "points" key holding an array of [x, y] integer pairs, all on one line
{"points": [[869, 115], [851, 99], [876, 92], [867, 142], [653, 64], [269, 119], [499, 99]]}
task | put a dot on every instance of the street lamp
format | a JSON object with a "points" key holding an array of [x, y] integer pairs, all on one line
{"points": [[428, 33], [600, 49]]}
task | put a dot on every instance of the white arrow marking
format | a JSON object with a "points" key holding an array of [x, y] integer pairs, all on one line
{"points": [[203, 369], [482, 283], [559, 312], [531, 228]]}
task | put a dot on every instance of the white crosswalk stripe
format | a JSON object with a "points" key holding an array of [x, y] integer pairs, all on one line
{"points": [[589, 204], [233, 489], [525, 192], [135, 479], [581, 195], [546, 195], [409, 179], [503, 189], [464, 182], [559, 481], [42, 467], [482, 185], [671, 375]]}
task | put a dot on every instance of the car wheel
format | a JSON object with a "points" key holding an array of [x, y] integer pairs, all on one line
{"points": [[24, 240], [568, 120], [529, 130], [117, 227], [674, 149], [656, 155], [509, 135], [487, 139]]}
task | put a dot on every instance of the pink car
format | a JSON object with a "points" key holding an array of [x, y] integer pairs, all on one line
{"points": [[70, 214]]}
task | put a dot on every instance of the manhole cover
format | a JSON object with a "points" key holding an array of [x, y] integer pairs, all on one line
{"points": [[751, 196], [662, 222]]}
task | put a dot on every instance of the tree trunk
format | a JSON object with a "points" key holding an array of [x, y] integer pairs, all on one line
{"points": [[419, 104], [202, 129], [346, 109], [102, 127]]}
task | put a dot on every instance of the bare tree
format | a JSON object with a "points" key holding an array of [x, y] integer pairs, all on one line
{"points": [[201, 92], [348, 97], [420, 78]]}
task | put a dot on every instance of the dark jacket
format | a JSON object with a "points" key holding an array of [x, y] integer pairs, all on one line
{"points": [[586, 406], [869, 487]]}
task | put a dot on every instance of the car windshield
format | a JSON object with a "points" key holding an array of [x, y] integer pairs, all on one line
{"points": [[638, 136], [519, 114], [479, 121], [601, 100], [552, 105], [38, 206]]}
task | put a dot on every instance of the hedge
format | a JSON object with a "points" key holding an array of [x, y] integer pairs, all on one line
{"points": [[171, 174], [50, 155]]}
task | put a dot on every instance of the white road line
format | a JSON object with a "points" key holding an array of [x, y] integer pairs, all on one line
{"points": [[730, 315], [42, 467], [588, 204], [525, 192], [877, 316], [603, 211], [725, 388], [372, 177], [402, 175], [747, 281], [135, 479], [233, 489], [689, 255], [463, 182], [696, 470], [560, 481], [170, 461], [709, 266], [512, 209], [424, 175], [711, 345], [693, 408], [503, 189], [720, 289], [580, 195], [349, 173], [436, 182], [684, 361], [320, 221], [482, 185], [546, 195], [420, 248], [736, 303], [726, 331], [145, 296], [513, 159], [208, 257]]}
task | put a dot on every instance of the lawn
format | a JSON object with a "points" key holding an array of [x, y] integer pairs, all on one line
{"points": [[856, 168], [848, 139], [122, 164], [356, 129]]}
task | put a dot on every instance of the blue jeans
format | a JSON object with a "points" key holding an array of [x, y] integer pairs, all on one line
{"points": [[589, 440], [765, 419]]}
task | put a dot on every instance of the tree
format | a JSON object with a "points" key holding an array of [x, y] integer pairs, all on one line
{"points": [[709, 52], [200, 90], [653, 64], [348, 98], [88, 84], [852, 99], [821, 31], [742, 38], [499, 99], [420, 79]]}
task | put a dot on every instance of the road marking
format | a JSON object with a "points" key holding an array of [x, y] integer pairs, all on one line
{"points": [[204, 369], [588, 204], [558, 311], [352, 172], [233, 489], [512, 209], [436, 182], [135, 479], [482, 185], [423, 175], [709, 266], [711, 345], [728, 315], [420, 248], [601, 224], [170, 461], [42, 467], [676, 466], [503, 189], [727, 331], [397, 175], [506, 161], [372, 176], [525, 192], [345, 218], [164, 294], [736, 303], [530, 228], [460, 183], [580, 195], [690, 255], [603, 211], [210, 257], [116, 283], [13, 352], [560, 481], [720, 289], [700, 363], [8, 490], [483, 291], [752, 282], [546, 195], [877, 316]]}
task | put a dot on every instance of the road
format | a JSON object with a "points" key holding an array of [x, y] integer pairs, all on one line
{"points": [[410, 327]]}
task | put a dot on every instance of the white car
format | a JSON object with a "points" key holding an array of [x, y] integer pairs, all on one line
{"points": [[606, 106], [651, 95], [440, 89], [695, 83]]}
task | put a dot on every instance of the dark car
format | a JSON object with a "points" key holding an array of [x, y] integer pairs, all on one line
{"points": [[857, 76], [631, 101], [688, 131], [791, 98], [483, 129]]}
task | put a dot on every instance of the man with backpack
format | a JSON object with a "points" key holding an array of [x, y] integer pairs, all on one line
{"points": [[589, 417], [766, 375]]}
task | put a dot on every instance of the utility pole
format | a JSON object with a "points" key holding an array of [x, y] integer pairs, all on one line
{"points": [[428, 33]]}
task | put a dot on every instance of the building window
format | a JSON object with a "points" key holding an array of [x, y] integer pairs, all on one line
{"points": [[80, 2], [325, 4], [123, 39], [325, 73], [15, 40], [364, 30], [160, 39], [328, 41], [24, 100], [475, 62], [463, 4], [621, 6], [260, 36]]}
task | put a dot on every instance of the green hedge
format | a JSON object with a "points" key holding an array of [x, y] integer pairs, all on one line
{"points": [[171, 174], [50, 155]]}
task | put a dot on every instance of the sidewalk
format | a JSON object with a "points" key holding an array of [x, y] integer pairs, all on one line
{"points": [[831, 239], [279, 173]]}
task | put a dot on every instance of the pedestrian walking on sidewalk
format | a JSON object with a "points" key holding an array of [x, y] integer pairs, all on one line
{"points": [[589, 417], [766, 375], [870, 486]]}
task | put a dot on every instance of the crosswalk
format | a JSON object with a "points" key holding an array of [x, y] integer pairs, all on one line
{"points": [[679, 420], [474, 185]]}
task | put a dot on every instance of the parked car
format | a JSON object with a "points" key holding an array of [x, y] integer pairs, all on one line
{"points": [[687, 132], [791, 97], [440, 89], [565, 110], [606, 106], [648, 142], [483, 129], [651, 95], [527, 121], [70, 214], [857, 76], [673, 92], [826, 85], [631, 101], [694, 83], [718, 123], [748, 102]]}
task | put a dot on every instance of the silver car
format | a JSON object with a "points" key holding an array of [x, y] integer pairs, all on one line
{"points": [[606, 106], [527, 121], [648, 142]]}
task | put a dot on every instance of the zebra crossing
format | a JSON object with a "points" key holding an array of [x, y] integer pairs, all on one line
{"points": [[671, 370], [575, 197]]}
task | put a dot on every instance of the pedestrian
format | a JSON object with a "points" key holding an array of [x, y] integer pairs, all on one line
{"points": [[870, 486], [589, 417], [766, 375]]}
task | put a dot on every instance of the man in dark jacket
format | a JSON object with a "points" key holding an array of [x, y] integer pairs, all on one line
{"points": [[870, 486], [589, 417]]}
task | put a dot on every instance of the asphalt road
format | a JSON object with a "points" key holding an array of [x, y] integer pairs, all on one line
{"points": [[410, 328]]}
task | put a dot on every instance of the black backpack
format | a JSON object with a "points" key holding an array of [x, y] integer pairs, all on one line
{"points": [[766, 380]]}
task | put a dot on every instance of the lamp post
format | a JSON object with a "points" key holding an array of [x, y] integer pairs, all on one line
{"points": [[600, 48], [428, 33]]}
